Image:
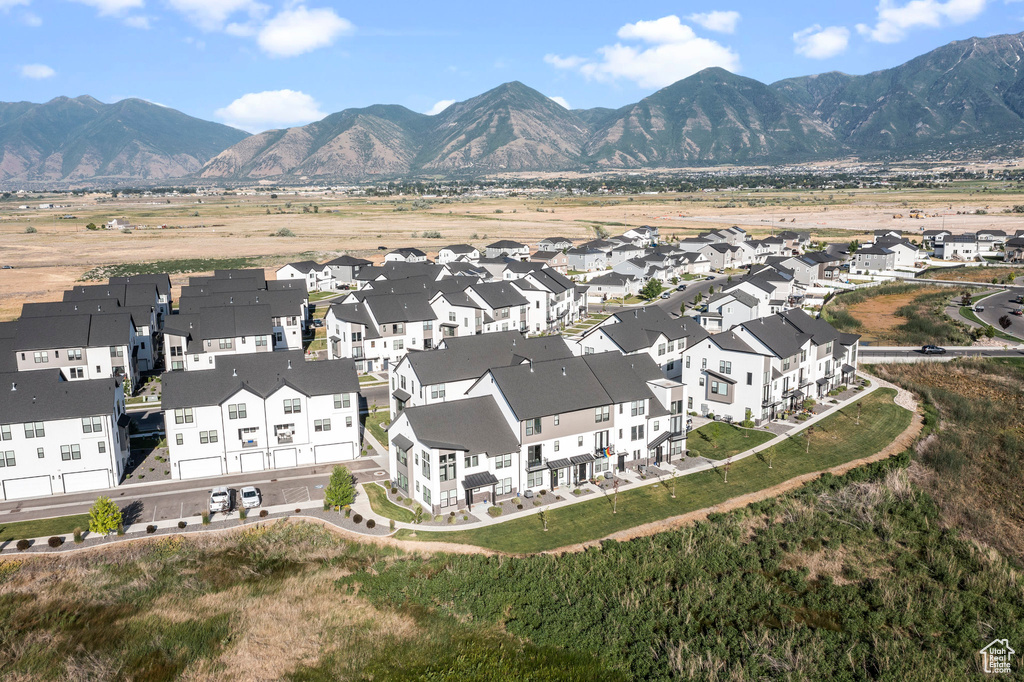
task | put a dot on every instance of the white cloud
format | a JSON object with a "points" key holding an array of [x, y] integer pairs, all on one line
{"points": [[673, 52], [895, 21], [5, 5], [112, 7], [564, 62], [37, 71], [298, 30], [211, 15], [137, 22], [259, 111], [560, 100], [816, 42], [30, 19], [722, 22], [439, 107]]}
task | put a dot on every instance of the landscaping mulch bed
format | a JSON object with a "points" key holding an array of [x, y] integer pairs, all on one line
{"points": [[462, 515]]}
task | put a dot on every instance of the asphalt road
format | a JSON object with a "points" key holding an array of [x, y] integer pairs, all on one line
{"points": [[868, 355], [996, 306], [676, 298], [148, 502]]}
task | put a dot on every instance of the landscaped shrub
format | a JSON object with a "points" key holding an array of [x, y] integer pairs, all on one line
{"points": [[151, 529], [23, 545], [370, 523], [55, 541], [348, 512], [206, 518], [519, 506], [357, 518], [264, 513], [77, 535], [243, 514], [298, 511], [392, 524], [182, 524], [494, 511]]}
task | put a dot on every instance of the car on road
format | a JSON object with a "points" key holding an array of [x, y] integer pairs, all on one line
{"points": [[250, 497], [666, 295], [1017, 299], [933, 350], [317, 323], [1017, 311], [681, 287], [978, 308], [222, 499], [709, 277]]}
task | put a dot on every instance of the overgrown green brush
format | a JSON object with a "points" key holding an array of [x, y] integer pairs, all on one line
{"points": [[171, 267], [926, 320]]}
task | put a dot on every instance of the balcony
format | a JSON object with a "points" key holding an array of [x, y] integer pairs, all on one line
{"points": [[251, 443], [534, 464], [284, 440]]}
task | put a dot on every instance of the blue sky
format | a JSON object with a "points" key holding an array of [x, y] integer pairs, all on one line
{"points": [[259, 64]]}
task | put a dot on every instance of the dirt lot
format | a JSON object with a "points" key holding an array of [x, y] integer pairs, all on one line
{"points": [[980, 274], [878, 314]]}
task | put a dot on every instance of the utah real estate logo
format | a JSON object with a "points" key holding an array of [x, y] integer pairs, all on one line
{"points": [[995, 657]]}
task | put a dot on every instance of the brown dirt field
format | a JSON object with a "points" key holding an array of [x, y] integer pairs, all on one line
{"points": [[878, 314], [982, 274]]}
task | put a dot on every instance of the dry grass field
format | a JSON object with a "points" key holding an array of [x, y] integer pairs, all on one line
{"points": [[229, 226]]}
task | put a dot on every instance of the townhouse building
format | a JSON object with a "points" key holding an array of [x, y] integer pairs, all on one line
{"points": [[537, 426], [763, 367], [554, 244], [315, 276], [162, 282], [872, 259], [587, 259], [405, 255], [59, 436], [509, 248], [345, 268], [556, 260], [455, 252], [192, 341], [260, 412]]}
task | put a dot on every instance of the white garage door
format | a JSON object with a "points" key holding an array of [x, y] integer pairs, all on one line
{"points": [[86, 480], [252, 461], [200, 468], [36, 486], [335, 452], [284, 458]]}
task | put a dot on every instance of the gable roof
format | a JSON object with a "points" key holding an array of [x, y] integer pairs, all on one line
{"points": [[469, 357], [773, 332], [45, 395], [346, 260], [474, 426]]}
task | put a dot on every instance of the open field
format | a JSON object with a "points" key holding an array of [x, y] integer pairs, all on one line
{"points": [[326, 224], [836, 439], [981, 275], [898, 314], [721, 441]]}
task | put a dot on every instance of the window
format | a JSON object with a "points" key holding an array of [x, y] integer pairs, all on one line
{"points": [[179, 439], [348, 421], [557, 419], [92, 425], [261, 341], [446, 470], [292, 405], [425, 461], [532, 426], [803, 355], [342, 401], [689, 403], [117, 351], [183, 415], [321, 425], [39, 453], [601, 414], [40, 356], [225, 344], [687, 362], [725, 367], [237, 411], [77, 372], [636, 432], [398, 328], [402, 456], [504, 486], [451, 316], [7, 458], [785, 365], [828, 347], [556, 446], [449, 498], [75, 354], [719, 388], [70, 452], [471, 461], [207, 437], [437, 391], [535, 479], [750, 378], [579, 441], [399, 344], [35, 430], [426, 495], [703, 363], [636, 408], [428, 326], [5, 432], [657, 425], [503, 461], [661, 349]]}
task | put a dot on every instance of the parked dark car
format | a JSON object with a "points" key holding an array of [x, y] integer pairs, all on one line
{"points": [[681, 287], [933, 350], [317, 323]]}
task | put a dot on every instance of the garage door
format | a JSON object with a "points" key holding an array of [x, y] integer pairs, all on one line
{"points": [[284, 458], [200, 468], [86, 480], [252, 461], [335, 452], [36, 486]]}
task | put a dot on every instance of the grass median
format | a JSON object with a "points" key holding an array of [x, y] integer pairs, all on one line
{"points": [[721, 441], [837, 439], [59, 525], [381, 505]]}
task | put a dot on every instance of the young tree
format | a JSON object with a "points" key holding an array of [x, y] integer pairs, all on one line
{"points": [[965, 298], [810, 430], [1004, 321], [341, 490], [674, 484], [726, 467], [104, 517], [615, 497], [652, 289], [544, 519], [859, 405], [767, 456]]}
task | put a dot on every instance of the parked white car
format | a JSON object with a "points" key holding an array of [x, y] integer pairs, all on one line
{"points": [[221, 499], [250, 497]]}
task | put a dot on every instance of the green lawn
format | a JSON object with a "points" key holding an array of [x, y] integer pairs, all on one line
{"points": [[60, 525], [721, 441], [375, 425], [382, 505], [369, 379], [835, 440]]}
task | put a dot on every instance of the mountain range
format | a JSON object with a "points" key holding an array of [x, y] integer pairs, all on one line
{"points": [[967, 95]]}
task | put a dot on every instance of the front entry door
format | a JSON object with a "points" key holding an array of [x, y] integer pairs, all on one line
{"points": [[622, 462], [581, 474]]}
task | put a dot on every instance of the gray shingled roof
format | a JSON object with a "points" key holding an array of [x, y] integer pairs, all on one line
{"points": [[500, 294], [781, 338], [342, 261], [261, 373], [474, 426], [469, 357], [44, 395], [72, 331]]}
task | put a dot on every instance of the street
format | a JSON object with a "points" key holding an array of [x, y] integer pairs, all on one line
{"points": [[672, 303], [996, 306]]}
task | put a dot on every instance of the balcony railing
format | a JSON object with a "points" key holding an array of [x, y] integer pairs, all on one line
{"points": [[250, 443], [532, 464], [284, 440]]}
